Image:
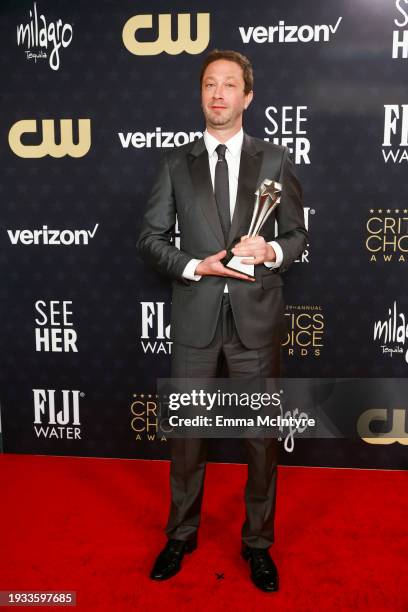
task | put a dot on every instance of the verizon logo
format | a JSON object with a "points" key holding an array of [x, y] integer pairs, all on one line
{"points": [[51, 237], [283, 33]]}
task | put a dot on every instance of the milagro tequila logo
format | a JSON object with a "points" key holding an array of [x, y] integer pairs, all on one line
{"points": [[287, 433], [38, 37], [392, 332]]}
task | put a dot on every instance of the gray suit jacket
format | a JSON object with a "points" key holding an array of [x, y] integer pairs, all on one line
{"points": [[183, 187]]}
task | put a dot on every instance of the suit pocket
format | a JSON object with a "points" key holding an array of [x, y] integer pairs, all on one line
{"points": [[270, 281]]}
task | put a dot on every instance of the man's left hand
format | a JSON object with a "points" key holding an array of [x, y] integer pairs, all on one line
{"points": [[255, 247]]}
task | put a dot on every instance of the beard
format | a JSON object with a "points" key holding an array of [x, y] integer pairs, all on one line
{"points": [[217, 119]]}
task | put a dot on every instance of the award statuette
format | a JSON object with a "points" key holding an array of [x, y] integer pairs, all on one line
{"points": [[267, 198]]}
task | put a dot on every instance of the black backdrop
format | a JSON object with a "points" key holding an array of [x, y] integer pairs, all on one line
{"points": [[325, 79]]}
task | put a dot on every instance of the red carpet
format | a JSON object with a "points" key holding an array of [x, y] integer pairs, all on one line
{"points": [[95, 526]]}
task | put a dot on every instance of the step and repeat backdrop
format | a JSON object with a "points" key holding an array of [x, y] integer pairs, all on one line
{"points": [[92, 93]]}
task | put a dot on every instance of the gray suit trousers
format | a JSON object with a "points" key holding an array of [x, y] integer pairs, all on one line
{"points": [[188, 455]]}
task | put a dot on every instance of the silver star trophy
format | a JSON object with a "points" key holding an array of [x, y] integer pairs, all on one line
{"points": [[267, 199]]}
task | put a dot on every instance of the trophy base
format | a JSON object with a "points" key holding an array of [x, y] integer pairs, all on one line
{"points": [[235, 263]]}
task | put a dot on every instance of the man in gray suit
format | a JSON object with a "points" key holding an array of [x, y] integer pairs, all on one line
{"points": [[218, 313]]}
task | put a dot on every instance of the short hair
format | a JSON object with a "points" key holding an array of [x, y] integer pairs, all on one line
{"points": [[232, 56]]}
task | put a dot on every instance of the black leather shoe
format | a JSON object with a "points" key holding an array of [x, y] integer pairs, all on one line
{"points": [[168, 563], [264, 573]]}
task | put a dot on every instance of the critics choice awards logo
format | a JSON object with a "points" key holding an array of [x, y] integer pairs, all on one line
{"points": [[144, 420], [387, 234], [306, 325]]}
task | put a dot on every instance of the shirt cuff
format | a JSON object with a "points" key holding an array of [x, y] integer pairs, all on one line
{"points": [[189, 270], [279, 255]]}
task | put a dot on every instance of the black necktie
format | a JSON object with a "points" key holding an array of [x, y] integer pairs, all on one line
{"points": [[221, 190]]}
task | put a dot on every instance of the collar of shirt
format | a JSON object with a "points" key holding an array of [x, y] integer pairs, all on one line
{"points": [[234, 144]]}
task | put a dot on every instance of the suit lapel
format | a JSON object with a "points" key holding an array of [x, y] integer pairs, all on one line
{"points": [[201, 179], [249, 167]]}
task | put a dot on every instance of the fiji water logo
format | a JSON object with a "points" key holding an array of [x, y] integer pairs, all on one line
{"points": [[42, 39]]}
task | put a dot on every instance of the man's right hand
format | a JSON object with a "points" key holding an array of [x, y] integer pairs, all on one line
{"points": [[212, 266]]}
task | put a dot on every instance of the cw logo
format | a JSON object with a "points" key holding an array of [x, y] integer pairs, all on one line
{"points": [[397, 431], [165, 42], [48, 146]]}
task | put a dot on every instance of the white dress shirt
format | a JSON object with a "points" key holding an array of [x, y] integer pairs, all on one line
{"points": [[233, 157]]}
